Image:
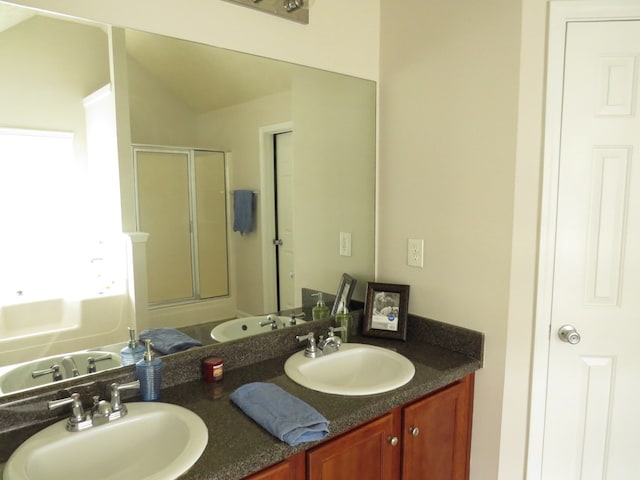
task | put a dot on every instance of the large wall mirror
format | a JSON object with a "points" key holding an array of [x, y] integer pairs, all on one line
{"points": [[175, 93]]}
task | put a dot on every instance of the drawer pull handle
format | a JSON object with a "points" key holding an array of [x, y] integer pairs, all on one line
{"points": [[393, 441], [415, 431]]}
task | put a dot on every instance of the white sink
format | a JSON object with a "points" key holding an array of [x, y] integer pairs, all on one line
{"points": [[245, 327], [18, 377], [155, 441], [356, 369]]}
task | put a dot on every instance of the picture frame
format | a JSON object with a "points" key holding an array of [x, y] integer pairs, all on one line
{"points": [[346, 288], [386, 310]]}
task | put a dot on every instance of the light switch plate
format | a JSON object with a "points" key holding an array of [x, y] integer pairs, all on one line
{"points": [[345, 244], [415, 252]]}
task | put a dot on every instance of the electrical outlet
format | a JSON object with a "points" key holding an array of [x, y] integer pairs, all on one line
{"points": [[345, 244], [415, 252]]}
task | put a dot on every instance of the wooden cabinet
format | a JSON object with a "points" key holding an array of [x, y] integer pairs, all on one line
{"points": [[431, 436], [293, 468], [428, 439], [436, 434], [370, 451]]}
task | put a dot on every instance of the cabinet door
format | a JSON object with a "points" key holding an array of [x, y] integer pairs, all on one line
{"points": [[436, 435], [367, 452], [292, 468]]}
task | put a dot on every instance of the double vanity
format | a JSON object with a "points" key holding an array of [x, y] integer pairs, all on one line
{"points": [[443, 359]]}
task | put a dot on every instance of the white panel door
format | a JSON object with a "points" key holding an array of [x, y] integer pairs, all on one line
{"points": [[593, 391], [284, 186]]}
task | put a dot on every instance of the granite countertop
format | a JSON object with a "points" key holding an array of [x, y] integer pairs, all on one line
{"points": [[238, 446]]}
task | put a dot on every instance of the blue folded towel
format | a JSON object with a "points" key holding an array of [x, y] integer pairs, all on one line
{"points": [[169, 340], [280, 413], [243, 211]]}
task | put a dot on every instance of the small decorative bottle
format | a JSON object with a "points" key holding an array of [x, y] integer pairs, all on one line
{"points": [[149, 372], [132, 353], [320, 311]]}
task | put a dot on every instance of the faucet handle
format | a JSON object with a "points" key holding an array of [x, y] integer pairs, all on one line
{"points": [[309, 336], [73, 399], [75, 421], [294, 316], [311, 351], [91, 362], [333, 330], [116, 403], [55, 369]]}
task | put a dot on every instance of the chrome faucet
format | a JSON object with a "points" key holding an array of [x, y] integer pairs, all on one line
{"points": [[332, 343], [101, 412], [70, 367]]}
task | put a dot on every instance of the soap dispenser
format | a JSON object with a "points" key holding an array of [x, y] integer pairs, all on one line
{"points": [[149, 372], [320, 311], [132, 353], [344, 319]]}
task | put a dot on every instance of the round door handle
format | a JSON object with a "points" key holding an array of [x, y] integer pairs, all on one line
{"points": [[415, 431], [393, 441], [569, 334]]}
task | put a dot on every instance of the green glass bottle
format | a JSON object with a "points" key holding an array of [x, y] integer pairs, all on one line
{"points": [[344, 319], [320, 311]]}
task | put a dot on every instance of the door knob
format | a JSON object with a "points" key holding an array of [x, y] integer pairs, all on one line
{"points": [[569, 334], [393, 441], [415, 431]]}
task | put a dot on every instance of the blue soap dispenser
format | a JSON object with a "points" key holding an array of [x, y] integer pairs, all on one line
{"points": [[149, 372], [133, 352]]}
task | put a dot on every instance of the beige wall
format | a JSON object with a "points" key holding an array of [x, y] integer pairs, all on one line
{"points": [[449, 100], [235, 129], [148, 99], [334, 186]]}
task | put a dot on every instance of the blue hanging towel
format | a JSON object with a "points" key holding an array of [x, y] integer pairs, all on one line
{"points": [[243, 211]]}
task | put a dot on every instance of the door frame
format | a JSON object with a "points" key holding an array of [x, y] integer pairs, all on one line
{"points": [[266, 201], [561, 13]]}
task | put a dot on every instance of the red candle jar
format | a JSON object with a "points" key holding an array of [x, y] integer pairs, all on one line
{"points": [[212, 369]]}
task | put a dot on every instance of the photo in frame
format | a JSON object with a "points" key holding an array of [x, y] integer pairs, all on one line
{"points": [[386, 310], [345, 290]]}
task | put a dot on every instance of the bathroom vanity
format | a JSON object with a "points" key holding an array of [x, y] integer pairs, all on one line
{"points": [[427, 438], [424, 424]]}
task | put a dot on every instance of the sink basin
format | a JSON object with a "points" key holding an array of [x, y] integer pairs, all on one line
{"points": [[356, 369], [244, 327], [155, 441], [18, 377]]}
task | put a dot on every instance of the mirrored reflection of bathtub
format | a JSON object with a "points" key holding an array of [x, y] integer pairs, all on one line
{"points": [[246, 327]]}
